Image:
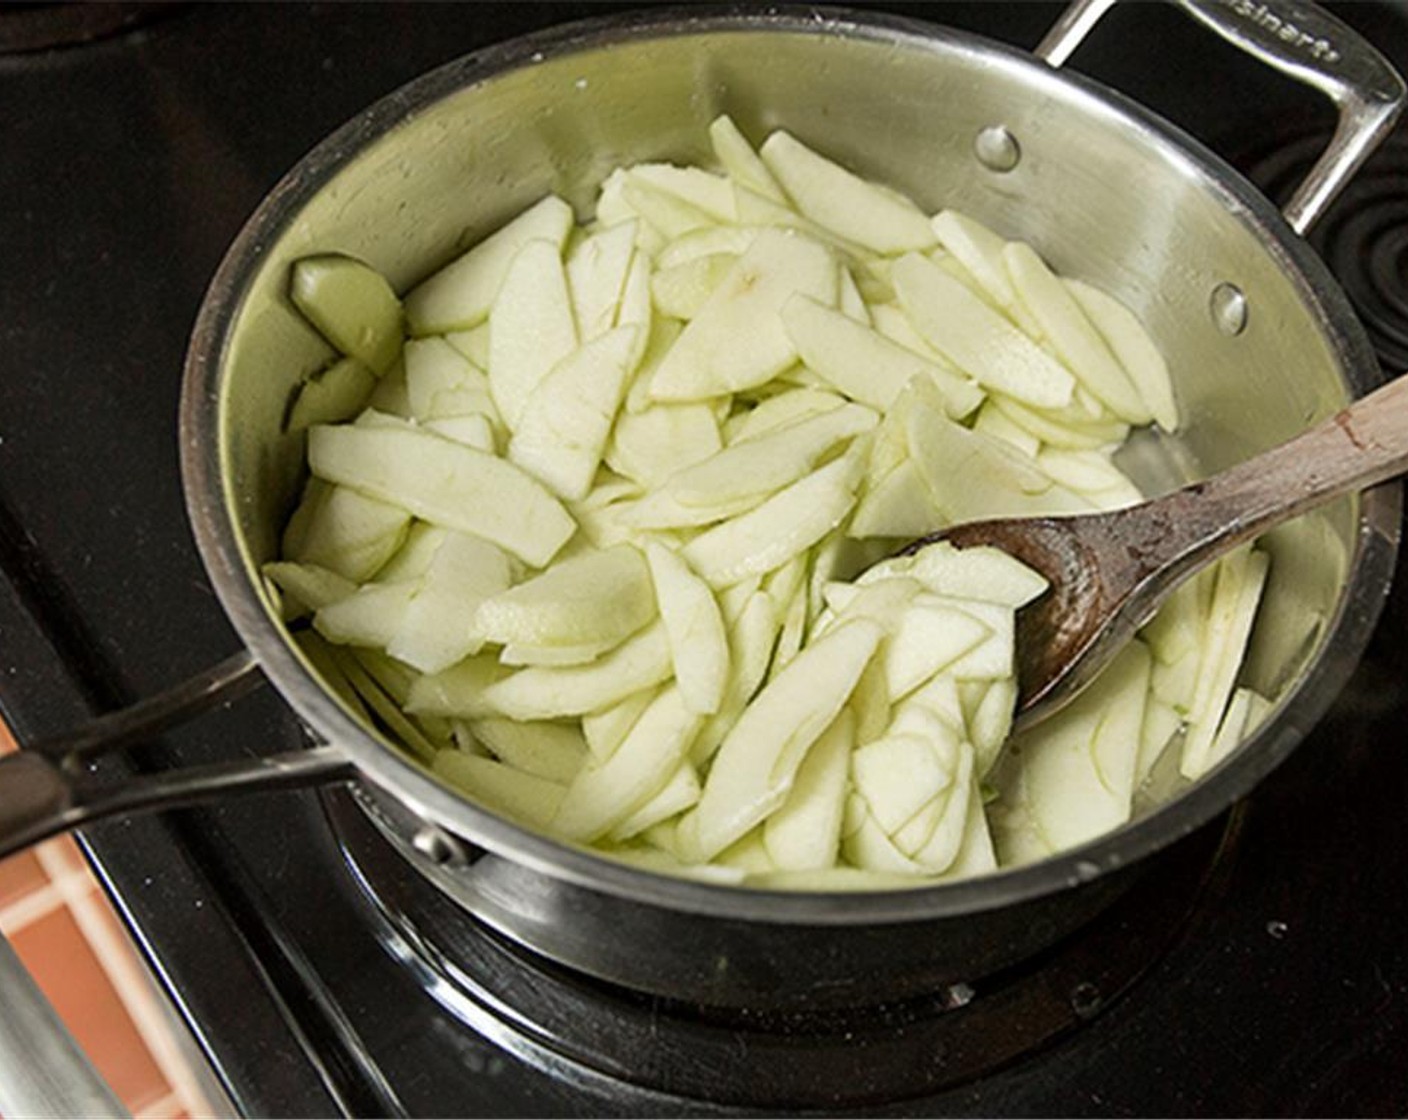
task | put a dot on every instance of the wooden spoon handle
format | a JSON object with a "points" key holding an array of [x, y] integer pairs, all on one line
{"points": [[1361, 445]]}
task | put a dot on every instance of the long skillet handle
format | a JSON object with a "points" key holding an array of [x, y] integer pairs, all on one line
{"points": [[1360, 446], [45, 789], [1307, 44]]}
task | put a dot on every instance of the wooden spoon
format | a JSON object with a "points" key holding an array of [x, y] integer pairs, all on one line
{"points": [[1110, 571]]}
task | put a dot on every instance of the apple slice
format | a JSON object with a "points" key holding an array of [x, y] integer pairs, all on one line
{"points": [[763, 465], [555, 751], [531, 327], [861, 211], [351, 305], [864, 364], [1071, 334], [775, 412], [738, 158], [651, 445], [737, 340], [595, 596], [978, 250], [899, 775], [596, 278], [446, 484], [524, 797], [767, 537], [682, 290], [698, 644], [344, 531], [1133, 348], [439, 627], [605, 729], [306, 587], [440, 382], [751, 638], [331, 395], [460, 295], [371, 616], [566, 419], [601, 796], [639, 662], [805, 831], [981, 572], [754, 769], [978, 340], [702, 189], [681, 792]]}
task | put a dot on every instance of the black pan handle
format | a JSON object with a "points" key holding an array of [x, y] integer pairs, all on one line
{"points": [[46, 788]]}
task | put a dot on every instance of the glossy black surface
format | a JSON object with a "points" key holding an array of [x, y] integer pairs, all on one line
{"points": [[126, 166]]}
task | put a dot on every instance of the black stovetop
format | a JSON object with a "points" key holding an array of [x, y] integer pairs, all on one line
{"points": [[127, 163]]}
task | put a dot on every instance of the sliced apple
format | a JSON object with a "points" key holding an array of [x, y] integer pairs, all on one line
{"points": [[738, 158], [445, 483], [738, 340], [755, 766], [555, 751], [1135, 350], [439, 627], [340, 529], [460, 295], [331, 395], [698, 644], [978, 340], [531, 327], [805, 831], [596, 278], [351, 305], [861, 211]]}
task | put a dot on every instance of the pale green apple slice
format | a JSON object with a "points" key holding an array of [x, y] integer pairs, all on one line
{"points": [[861, 211], [768, 462], [805, 831], [524, 653], [458, 692], [603, 795], [460, 295], [898, 775], [566, 419], [472, 343], [715, 240], [849, 300], [981, 572], [978, 340], [868, 846], [531, 327], [778, 411], [702, 189], [515, 793], [978, 250], [596, 278], [307, 587], [864, 364], [698, 644], [1135, 350], [752, 636], [992, 422], [939, 851], [930, 636], [1162, 723], [475, 430], [445, 483], [1244, 713], [640, 661], [1241, 576], [664, 211], [754, 768], [351, 305], [651, 445], [1078, 765], [988, 718], [344, 531], [1071, 334], [439, 627], [738, 340], [606, 728], [413, 559], [555, 751], [681, 291], [381, 704], [595, 596], [331, 395], [898, 505], [440, 381], [740, 161], [371, 616], [681, 792], [791, 520]]}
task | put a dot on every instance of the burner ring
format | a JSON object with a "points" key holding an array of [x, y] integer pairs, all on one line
{"points": [[1363, 237]]}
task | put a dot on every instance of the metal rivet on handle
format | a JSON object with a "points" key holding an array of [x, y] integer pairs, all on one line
{"points": [[997, 149], [437, 845], [1228, 306]]}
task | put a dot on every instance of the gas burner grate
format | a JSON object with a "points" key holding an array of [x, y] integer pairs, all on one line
{"points": [[1364, 235], [860, 1057]]}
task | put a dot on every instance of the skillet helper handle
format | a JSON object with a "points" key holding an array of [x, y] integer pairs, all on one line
{"points": [[45, 789], [1304, 42]]}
